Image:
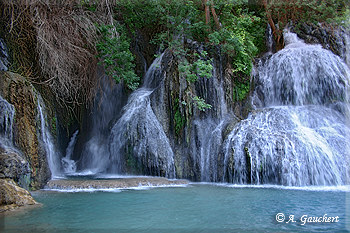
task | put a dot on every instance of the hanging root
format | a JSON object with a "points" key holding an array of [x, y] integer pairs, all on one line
{"points": [[55, 40], [65, 47]]}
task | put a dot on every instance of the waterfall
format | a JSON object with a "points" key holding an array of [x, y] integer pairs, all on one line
{"points": [[207, 136], [269, 40], [107, 106], [4, 56], [68, 164], [300, 135], [210, 140], [48, 142], [138, 139], [347, 48], [303, 74], [7, 114]]}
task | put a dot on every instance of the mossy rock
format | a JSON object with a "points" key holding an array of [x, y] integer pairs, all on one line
{"points": [[23, 96], [12, 196]]}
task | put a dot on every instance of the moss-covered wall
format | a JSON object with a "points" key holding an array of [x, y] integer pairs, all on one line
{"points": [[23, 96]]}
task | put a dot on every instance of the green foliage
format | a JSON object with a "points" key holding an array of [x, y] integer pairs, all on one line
{"points": [[167, 23], [203, 68], [241, 36], [140, 14], [199, 68], [179, 119], [113, 50], [90, 5], [179, 122], [241, 90], [344, 19], [185, 69], [54, 124], [306, 11], [201, 104]]}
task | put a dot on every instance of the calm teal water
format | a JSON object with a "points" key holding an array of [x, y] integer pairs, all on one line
{"points": [[196, 208]]}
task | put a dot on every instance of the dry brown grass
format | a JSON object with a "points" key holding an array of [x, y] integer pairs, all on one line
{"points": [[55, 44]]}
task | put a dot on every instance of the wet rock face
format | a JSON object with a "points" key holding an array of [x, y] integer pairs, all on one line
{"points": [[195, 136], [12, 196], [139, 136], [14, 166], [18, 92], [332, 39]]}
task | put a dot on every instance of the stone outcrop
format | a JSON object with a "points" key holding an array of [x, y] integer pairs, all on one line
{"points": [[23, 96], [191, 132], [14, 166], [12, 196], [163, 132], [334, 39]]}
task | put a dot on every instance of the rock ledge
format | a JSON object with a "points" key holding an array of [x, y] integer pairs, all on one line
{"points": [[13, 196], [119, 183]]}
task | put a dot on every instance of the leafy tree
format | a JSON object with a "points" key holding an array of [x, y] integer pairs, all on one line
{"points": [[114, 51]]}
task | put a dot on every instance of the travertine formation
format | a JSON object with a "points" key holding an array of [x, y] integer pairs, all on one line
{"points": [[13, 196], [121, 183]]}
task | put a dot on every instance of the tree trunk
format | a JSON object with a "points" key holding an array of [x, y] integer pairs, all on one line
{"points": [[207, 12], [215, 17], [275, 31]]}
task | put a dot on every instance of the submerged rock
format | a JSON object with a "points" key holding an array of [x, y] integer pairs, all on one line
{"points": [[12, 196]]}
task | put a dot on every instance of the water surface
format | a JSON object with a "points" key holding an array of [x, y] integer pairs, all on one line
{"points": [[195, 208]]}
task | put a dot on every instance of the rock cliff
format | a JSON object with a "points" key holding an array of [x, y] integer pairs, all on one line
{"points": [[12, 196], [26, 134]]}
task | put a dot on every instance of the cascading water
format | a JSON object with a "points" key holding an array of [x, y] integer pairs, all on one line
{"points": [[269, 40], [303, 74], [47, 143], [210, 139], [347, 48], [299, 136], [13, 163], [138, 139], [107, 106], [207, 135], [4, 56], [68, 164], [7, 114]]}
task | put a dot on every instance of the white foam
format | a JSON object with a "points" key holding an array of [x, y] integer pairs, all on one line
{"points": [[58, 177], [340, 188], [114, 190], [145, 187], [88, 190], [116, 176], [83, 173]]}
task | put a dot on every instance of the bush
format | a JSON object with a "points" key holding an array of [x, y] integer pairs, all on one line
{"points": [[114, 51]]}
